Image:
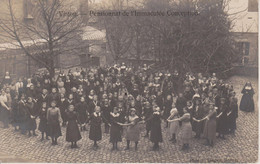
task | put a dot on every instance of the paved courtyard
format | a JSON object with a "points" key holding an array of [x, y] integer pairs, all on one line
{"points": [[243, 147]]}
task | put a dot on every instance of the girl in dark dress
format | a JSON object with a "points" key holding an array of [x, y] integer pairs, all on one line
{"points": [[222, 126], [115, 129], [95, 127], [22, 114], [53, 119], [233, 113], [43, 98], [197, 113], [81, 109], [148, 112], [43, 126], [72, 132], [156, 131], [31, 117], [167, 108], [15, 112], [106, 109], [247, 102], [63, 104]]}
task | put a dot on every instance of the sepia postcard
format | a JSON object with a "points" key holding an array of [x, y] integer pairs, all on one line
{"points": [[129, 81]]}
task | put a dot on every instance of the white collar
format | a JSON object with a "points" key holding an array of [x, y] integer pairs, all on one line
{"points": [[114, 115], [96, 115]]}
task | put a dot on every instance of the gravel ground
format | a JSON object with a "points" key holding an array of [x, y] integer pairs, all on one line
{"points": [[243, 147]]}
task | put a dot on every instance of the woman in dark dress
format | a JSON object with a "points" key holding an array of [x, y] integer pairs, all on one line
{"points": [[247, 102], [115, 129], [95, 133], [72, 132], [31, 116], [53, 119], [43, 126], [156, 130]]}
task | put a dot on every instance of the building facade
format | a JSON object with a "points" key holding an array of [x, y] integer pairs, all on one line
{"points": [[244, 14]]}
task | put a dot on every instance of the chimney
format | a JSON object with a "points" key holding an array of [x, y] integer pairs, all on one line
{"points": [[84, 10]]}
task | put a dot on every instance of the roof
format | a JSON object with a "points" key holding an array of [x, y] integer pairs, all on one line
{"points": [[15, 45], [93, 34]]}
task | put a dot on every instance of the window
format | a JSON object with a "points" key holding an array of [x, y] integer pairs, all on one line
{"points": [[243, 48], [252, 5], [28, 6]]}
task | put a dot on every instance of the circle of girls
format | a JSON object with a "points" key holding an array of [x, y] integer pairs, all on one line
{"points": [[123, 98]]}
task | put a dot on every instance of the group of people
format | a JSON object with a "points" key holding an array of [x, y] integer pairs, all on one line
{"points": [[123, 99]]}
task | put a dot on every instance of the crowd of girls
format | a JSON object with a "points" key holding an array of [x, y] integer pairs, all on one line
{"points": [[123, 99]]}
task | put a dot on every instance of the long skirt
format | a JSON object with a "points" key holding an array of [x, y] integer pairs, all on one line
{"points": [[156, 133], [63, 115], [247, 103], [31, 124], [72, 132], [95, 133], [197, 127], [174, 127], [133, 133], [115, 133], [210, 130], [148, 125], [43, 126], [186, 132], [82, 118], [15, 118], [54, 129]]}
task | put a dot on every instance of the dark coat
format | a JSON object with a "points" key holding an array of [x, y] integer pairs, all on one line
{"points": [[81, 109], [63, 105], [72, 132], [197, 113], [106, 113], [156, 130], [222, 121], [181, 102], [115, 129], [167, 109], [95, 133], [43, 126], [148, 112], [31, 111], [233, 116], [247, 102]]}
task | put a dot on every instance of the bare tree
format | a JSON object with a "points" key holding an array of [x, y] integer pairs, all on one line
{"points": [[54, 30]]}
